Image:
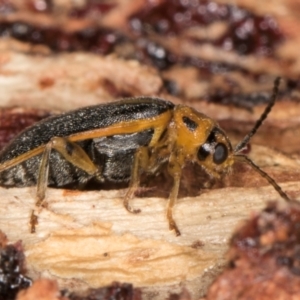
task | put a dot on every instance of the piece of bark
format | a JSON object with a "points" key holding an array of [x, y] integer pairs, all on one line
{"points": [[87, 239], [97, 220]]}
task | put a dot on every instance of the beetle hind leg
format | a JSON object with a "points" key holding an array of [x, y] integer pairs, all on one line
{"points": [[126, 200], [74, 154]]}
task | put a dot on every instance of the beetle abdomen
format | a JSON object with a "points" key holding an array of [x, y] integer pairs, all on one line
{"points": [[115, 154]]}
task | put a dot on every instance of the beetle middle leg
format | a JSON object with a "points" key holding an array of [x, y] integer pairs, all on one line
{"points": [[141, 159], [73, 153]]}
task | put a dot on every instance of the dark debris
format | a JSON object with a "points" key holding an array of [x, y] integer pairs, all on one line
{"points": [[12, 278], [116, 291]]}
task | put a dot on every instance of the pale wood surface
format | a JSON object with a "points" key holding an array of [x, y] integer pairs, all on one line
{"points": [[88, 239]]}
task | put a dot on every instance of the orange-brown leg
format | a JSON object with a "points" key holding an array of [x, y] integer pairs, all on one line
{"points": [[73, 153], [140, 162], [175, 169], [171, 202]]}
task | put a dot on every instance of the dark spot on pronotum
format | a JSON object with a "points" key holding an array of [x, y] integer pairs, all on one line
{"points": [[190, 124]]}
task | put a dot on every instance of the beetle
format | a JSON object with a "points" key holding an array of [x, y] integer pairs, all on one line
{"points": [[118, 141]]}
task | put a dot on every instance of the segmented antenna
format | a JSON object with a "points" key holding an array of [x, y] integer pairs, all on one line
{"points": [[247, 160], [246, 139]]}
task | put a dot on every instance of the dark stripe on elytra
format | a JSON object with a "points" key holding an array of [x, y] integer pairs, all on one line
{"points": [[190, 124]]}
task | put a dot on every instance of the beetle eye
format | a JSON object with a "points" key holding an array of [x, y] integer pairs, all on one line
{"points": [[203, 152], [220, 154]]}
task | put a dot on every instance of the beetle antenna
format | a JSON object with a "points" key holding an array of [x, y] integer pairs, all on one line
{"points": [[244, 158], [241, 145]]}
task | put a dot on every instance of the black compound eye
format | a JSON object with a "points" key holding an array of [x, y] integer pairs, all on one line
{"points": [[221, 154]]}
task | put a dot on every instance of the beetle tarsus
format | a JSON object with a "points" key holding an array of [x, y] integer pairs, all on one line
{"points": [[33, 222], [128, 207], [173, 226]]}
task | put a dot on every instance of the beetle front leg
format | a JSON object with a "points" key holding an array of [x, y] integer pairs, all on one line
{"points": [[73, 153], [175, 169], [140, 161], [171, 201]]}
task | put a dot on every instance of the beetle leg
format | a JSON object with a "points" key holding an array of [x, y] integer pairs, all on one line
{"points": [[171, 201], [42, 182], [175, 169], [73, 153], [42, 179], [140, 161]]}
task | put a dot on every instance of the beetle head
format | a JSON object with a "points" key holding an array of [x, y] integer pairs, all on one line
{"points": [[200, 139]]}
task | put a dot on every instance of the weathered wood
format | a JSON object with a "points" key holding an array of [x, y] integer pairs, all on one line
{"points": [[87, 239]]}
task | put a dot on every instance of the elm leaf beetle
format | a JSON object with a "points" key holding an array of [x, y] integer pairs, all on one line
{"points": [[117, 142]]}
